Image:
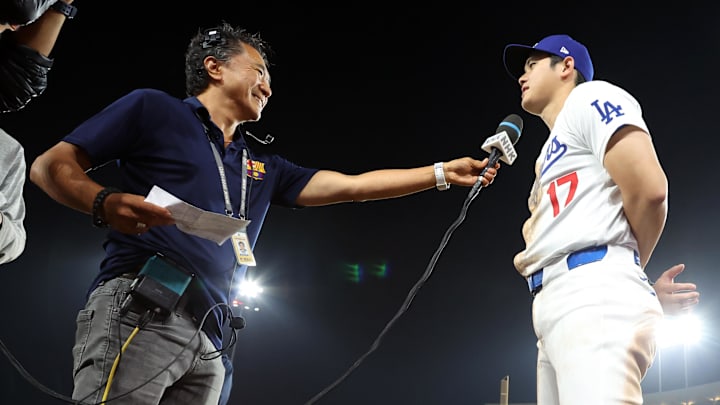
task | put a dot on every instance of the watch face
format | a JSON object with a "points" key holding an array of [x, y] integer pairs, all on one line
{"points": [[67, 9]]}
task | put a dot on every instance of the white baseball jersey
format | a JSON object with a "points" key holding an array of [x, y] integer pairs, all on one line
{"points": [[574, 202]]}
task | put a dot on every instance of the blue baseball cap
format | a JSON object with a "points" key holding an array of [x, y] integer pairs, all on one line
{"points": [[515, 55]]}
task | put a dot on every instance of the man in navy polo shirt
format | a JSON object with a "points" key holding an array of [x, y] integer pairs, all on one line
{"points": [[196, 150]]}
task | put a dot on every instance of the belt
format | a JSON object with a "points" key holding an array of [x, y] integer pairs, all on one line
{"points": [[575, 259]]}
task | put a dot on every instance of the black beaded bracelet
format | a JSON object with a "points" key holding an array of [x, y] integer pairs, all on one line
{"points": [[68, 10], [97, 220]]}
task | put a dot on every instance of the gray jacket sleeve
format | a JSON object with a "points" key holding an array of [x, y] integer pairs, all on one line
{"points": [[23, 74], [12, 205]]}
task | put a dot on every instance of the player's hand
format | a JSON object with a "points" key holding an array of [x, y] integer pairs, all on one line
{"points": [[675, 298]]}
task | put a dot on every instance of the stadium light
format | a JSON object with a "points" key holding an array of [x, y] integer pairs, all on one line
{"points": [[684, 330], [679, 330], [250, 288], [248, 295]]}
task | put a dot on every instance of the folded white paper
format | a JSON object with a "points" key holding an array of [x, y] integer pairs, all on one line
{"points": [[195, 221]]}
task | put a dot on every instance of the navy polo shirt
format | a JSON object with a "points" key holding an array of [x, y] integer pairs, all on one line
{"points": [[157, 139]]}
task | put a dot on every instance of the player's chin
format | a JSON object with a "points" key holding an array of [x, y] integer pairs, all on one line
{"points": [[530, 106]]}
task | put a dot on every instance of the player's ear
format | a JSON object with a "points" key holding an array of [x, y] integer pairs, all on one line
{"points": [[568, 65]]}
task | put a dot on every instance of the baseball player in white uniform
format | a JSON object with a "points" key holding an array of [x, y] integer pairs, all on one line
{"points": [[597, 209]]}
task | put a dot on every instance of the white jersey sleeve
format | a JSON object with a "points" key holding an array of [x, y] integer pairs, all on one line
{"points": [[12, 205], [574, 202]]}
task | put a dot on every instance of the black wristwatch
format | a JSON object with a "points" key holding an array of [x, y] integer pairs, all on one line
{"points": [[68, 10]]}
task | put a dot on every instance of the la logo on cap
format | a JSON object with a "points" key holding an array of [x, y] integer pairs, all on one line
{"points": [[564, 50]]}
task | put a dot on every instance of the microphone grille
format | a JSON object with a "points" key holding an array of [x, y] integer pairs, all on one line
{"points": [[513, 126]]}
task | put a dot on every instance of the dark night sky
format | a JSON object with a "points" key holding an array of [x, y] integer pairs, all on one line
{"points": [[358, 89]]}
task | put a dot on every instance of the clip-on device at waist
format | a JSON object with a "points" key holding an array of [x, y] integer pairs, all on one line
{"points": [[158, 286]]}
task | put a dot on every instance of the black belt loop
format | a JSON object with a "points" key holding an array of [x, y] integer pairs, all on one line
{"points": [[535, 282]]}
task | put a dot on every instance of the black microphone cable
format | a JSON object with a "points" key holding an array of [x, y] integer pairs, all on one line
{"points": [[34, 382], [423, 279], [147, 317], [177, 356], [24, 373], [506, 135]]}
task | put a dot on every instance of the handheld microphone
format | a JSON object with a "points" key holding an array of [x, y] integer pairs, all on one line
{"points": [[500, 146]]}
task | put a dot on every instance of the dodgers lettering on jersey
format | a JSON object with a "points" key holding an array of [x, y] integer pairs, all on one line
{"points": [[608, 110], [574, 202]]}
